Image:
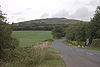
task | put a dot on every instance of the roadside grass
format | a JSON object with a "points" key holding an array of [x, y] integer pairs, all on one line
{"points": [[92, 48], [68, 43], [85, 47], [27, 38], [35, 56], [52, 59]]}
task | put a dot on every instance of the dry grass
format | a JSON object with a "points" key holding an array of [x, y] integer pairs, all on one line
{"points": [[41, 55]]}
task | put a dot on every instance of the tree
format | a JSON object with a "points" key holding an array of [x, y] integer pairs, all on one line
{"points": [[80, 33], [58, 32], [6, 40], [83, 31], [96, 17], [96, 23], [76, 32]]}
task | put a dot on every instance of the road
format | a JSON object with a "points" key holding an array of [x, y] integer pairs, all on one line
{"points": [[77, 57]]}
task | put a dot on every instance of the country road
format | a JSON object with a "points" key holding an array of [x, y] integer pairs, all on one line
{"points": [[77, 57]]}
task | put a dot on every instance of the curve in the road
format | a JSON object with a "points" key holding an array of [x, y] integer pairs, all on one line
{"points": [[77, 57]]}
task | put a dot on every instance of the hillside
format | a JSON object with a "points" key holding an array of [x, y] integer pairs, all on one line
{"points": [[52, 21], [43, 24]]}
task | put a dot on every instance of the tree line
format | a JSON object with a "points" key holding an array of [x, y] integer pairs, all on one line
{"points": [[34, 26]]}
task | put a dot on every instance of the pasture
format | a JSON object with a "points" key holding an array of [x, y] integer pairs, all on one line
{"points": [[27, 38]]}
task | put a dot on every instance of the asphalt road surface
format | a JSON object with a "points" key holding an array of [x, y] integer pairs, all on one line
{"points": [[77, 57]]}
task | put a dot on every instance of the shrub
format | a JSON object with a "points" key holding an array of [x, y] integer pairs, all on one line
{"points": [[76, 43], [6, 40], [96, 42], [81, 43], [24, 57]]}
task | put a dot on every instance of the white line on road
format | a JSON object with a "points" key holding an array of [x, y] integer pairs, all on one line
{"points": [[89, 53]]}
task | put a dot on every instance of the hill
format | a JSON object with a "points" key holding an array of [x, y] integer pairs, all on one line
{"points": [[43, 24], [52, 21]]}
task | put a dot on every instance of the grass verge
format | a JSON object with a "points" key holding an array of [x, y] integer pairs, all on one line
{"points": [[42, 55], [52, 59], [84, 47], [93, 48]]}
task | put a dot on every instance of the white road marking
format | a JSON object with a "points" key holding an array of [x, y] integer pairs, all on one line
{"points": [[89, 53]]}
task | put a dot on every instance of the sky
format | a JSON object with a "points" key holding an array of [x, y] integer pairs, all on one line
{"points": [[24, 10]]}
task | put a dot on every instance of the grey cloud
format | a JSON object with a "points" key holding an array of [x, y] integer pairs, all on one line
{"points": [[18, 13], [77, 2], [21, 12], [82, 13], [94, 3], [28, 8], [45, 15], [20, 19], [60, 14]]}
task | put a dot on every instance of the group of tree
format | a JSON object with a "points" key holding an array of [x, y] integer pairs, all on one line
{"points": [[34, 26], [42, 24], [81, 31]]}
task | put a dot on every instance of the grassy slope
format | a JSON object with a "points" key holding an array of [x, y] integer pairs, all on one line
{"points": [[31, 37], [51, 21]]}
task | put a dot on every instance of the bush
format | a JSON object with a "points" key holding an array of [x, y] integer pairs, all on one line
{"points": [[96, 42], [14, 43], [24, 57], [76, 43], [81, 43], [6, 40]]}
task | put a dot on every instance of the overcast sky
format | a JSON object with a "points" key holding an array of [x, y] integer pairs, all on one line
{"points": [[22, 10]]}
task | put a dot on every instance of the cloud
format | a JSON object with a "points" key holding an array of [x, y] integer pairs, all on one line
{"points": [[82, 13], [28, 8], [94, 3], [18, 13], [22, 11], [33, 9], [60, 14], [45, 15], [20, 19]]}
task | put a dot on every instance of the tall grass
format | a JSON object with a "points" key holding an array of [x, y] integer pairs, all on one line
{"points": [[41, 55]]}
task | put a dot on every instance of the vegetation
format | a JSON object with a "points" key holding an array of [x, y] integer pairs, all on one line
{"points": [[76, 32], [92, 48], [27, 38], [96, 23], [74, 43], [6, 40], [35, 56], [39, 55], [79, 32], [96, 42], [58, 32], [43, 24]]}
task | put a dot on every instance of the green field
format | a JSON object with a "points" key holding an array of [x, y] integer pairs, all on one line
{"points": [[27, 38]]}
